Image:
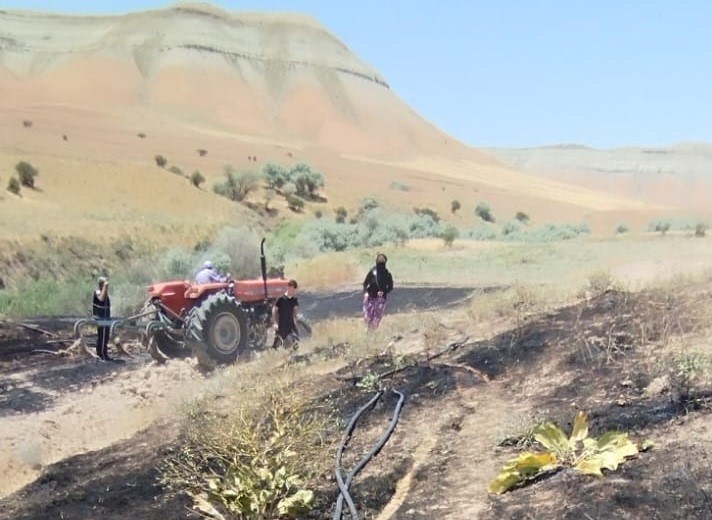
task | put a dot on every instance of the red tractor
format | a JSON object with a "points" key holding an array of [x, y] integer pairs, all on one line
{"points": [[216, 322]]}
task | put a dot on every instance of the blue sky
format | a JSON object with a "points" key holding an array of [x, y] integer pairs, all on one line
{"points": [[514, 73]]}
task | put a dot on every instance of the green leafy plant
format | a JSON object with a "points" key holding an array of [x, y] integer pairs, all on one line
{"points": [[584, 454], [370, 382], [252, 464]]}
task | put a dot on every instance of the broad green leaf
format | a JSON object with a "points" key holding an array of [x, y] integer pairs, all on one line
{"points": [[552, 438], [580, 429], [523, 467], [295, 503], [589, 466]]}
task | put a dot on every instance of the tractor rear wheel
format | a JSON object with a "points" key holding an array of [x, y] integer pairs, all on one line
{"points": [[220, 325]]}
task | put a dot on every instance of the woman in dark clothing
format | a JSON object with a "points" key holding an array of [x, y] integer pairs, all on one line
{"points": [[101, 310], [376, 286]]}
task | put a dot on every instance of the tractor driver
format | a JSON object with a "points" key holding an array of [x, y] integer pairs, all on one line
{"points": [[208, 274]]}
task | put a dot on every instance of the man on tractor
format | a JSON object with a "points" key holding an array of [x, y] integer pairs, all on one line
{"points": [[208, 274]]}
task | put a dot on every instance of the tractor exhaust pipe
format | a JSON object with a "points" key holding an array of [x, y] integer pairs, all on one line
{"points": [[263, 265]]}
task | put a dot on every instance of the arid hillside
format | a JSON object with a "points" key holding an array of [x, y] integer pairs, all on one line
{"points": [[678, 175], [91, 100]]}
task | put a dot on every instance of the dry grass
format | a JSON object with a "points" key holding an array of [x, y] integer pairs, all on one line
{"points": [[325, 272]]}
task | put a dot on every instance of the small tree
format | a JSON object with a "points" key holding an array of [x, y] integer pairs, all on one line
{"points": [[484, 211], [13, 186], [701, 229], [161, 161], [341, 214], [237, 185], [26, 173], [621, 228], [197, 179], [275, 175], [522, 217], [449, 234], [429, 212], [306, 180], [455, 206], [202, 152], [175, 169]]}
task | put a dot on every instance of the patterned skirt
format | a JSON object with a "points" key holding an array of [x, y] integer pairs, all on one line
{"points": [[373, 309]]}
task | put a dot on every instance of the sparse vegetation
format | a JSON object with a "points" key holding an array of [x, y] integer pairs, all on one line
{"points": [[397, 185], [26, 173], [252, 460], [455, 206], [701, 229], [449, 235], [621, 228], [197, 178], [27, 123], [660, 226], [522, 217], [175, 169], [13, 185], [300, 179], [141, 135], [161, 161], [237, 184], [428, 212], [484, 211], [202, 152], [341, 214]]}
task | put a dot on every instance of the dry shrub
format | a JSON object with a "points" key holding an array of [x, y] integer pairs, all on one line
{"points": [[515, 302], [325, 272], [253, 461], [617, 321]]}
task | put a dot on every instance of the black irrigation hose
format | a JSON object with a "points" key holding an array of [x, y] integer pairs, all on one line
{"points": [[375, 449]]}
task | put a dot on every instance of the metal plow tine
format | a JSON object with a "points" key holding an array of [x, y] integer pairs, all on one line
{"points": [[122, 348], [86, 350], [155, 352]]}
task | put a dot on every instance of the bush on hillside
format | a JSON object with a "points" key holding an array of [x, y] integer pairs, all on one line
{"points": [[306, 180], [521, 217], [196, 179], [13, 186], [397, 185], [160, 161], [455, 206], [449, 234], [341, 214], [26, 173], [621, 228], [701, 229], [427, 211], [484, 211], [275, 175], [237, 184], [175, 169]]}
